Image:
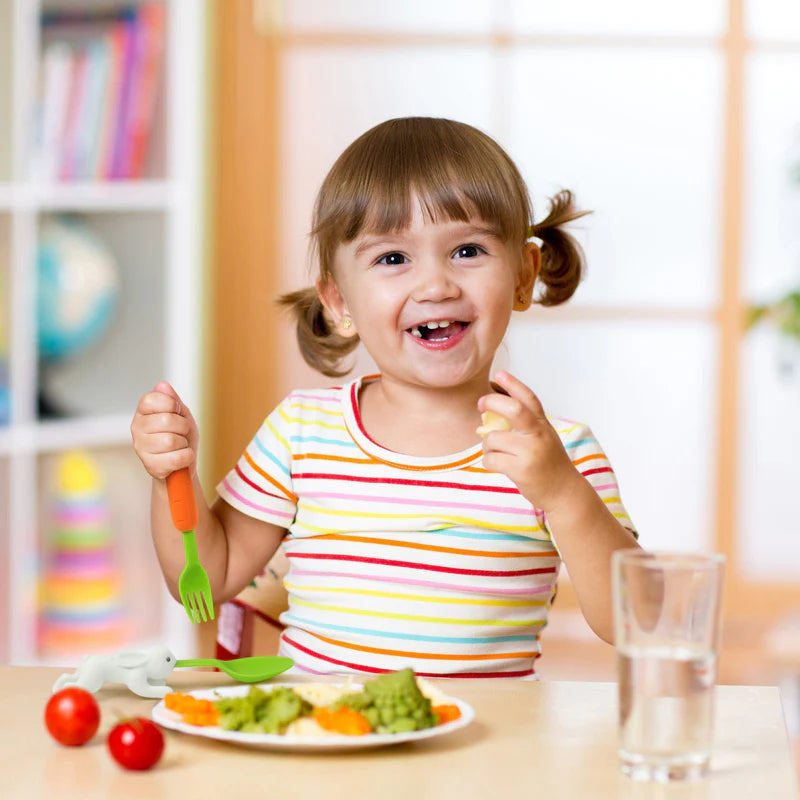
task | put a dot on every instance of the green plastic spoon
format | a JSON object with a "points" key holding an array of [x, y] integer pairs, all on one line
{"points": [[245, 670]]}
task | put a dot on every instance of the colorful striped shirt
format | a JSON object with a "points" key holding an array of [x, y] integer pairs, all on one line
{"points": [[399, 560]]}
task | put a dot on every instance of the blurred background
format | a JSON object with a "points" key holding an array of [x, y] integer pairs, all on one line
{"points": [[158, 165]]}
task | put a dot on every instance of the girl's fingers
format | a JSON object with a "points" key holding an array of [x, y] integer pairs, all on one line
{"points": [[165, 388], [162, 398], [162, 387], [499, 461], [159, 466], [164, 422], [159, 443], [521, 407], [494, 444], [164, 431], [162, 410], [158, 403], [518, 390]]}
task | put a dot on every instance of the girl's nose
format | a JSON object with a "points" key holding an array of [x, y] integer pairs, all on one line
{"points": [[435, 283]]}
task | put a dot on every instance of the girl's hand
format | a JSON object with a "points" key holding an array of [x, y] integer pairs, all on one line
{"points": [[165, 435], [531, 454]]}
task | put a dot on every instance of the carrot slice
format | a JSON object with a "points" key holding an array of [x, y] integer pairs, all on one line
{"points": [[446, 713], [193, 710], [342, 720]]}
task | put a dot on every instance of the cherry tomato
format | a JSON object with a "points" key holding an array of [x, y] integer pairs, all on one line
{"points": [[72, 716], [136, 743]]}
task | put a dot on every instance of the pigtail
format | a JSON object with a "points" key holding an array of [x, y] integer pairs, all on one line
{"points": [[320, 345], [563, 260]]}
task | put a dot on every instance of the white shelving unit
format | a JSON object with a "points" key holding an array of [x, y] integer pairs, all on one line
{"points": [[154, 228]]}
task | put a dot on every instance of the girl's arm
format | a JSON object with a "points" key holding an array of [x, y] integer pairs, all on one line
{"points": [[587, 534], [532, 455], [233, 547]]}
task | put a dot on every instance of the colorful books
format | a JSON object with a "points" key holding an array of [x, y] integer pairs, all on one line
{"points": [[101, 74], [145, 79]]}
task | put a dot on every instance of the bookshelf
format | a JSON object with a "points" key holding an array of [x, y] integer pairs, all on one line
{"points": [[149, 219]]}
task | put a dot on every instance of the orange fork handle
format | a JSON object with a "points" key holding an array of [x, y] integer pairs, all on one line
{"points": [[181, 500]]}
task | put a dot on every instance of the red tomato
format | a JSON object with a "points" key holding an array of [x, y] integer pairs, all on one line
{"points": [[136, 743], [72, 716]]}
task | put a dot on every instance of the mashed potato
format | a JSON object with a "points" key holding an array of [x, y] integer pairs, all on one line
{"points": [[435, 695], [323, 694], [307, 726]]}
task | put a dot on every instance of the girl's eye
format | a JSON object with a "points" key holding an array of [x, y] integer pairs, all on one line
{"points": [[392, 259], [468, 251]]}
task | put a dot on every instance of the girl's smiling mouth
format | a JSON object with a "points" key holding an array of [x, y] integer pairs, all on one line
{"points": [[438, 334]]}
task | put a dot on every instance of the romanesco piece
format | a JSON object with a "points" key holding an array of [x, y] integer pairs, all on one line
{"points": [[393, 703]]}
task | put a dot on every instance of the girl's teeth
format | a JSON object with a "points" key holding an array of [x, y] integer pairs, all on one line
{"points": [[430, 326], [443, 324]]}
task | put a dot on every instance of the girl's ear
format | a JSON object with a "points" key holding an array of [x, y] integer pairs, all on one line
{"points": [[336, 306], [529, 270]]}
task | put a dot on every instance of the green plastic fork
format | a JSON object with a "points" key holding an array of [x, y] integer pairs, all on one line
{"points": [[193, 584]]}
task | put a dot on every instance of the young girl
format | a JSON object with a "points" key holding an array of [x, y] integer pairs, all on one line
{"points": [[411, 541]]}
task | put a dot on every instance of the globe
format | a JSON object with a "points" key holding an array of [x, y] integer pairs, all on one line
{"points": [[78, 288]]}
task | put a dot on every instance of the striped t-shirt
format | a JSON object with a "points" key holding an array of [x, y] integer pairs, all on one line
{"points": [[398, 560]]}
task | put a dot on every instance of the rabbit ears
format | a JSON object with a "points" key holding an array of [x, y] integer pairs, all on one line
{"points": [[130, 659]]}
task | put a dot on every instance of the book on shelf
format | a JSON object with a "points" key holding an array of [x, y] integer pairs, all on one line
{"points": [[100, 76], [150, 40], [56, 71]]}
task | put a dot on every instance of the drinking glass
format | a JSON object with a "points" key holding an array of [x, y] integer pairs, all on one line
{"points": [[667, 609]]}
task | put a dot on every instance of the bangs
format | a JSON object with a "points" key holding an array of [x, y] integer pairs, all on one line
{"points": [[439, 202], [455, 173]]}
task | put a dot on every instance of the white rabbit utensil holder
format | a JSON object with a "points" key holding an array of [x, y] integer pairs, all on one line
{"points": [[143, 671]]}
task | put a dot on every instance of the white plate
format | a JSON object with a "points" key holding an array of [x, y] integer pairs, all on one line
{"points": [[169, 719]]}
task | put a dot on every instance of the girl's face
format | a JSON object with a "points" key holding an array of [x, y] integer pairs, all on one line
{"points": [[432, 302]]}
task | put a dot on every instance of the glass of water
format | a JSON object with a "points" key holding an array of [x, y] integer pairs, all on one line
{"points": [[667, 610]]}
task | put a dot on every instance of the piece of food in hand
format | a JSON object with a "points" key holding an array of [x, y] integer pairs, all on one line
{"points": [[492, 421], [136, 743], [72, 716]]}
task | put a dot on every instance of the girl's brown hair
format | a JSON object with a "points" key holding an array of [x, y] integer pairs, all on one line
{"points": [[457, 173]]}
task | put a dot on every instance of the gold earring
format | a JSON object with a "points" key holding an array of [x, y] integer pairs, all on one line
{"points": [[347, 323]]}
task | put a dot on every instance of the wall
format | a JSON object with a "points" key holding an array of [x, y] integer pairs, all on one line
{"points": [[678, 126]]}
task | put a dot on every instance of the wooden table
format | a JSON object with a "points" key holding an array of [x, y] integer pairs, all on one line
{"points": [[529, 740]]}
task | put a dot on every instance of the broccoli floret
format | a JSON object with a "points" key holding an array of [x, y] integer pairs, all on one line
{"points": [[284, 706], [234, 716], [260, 711], [393, 703]]}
